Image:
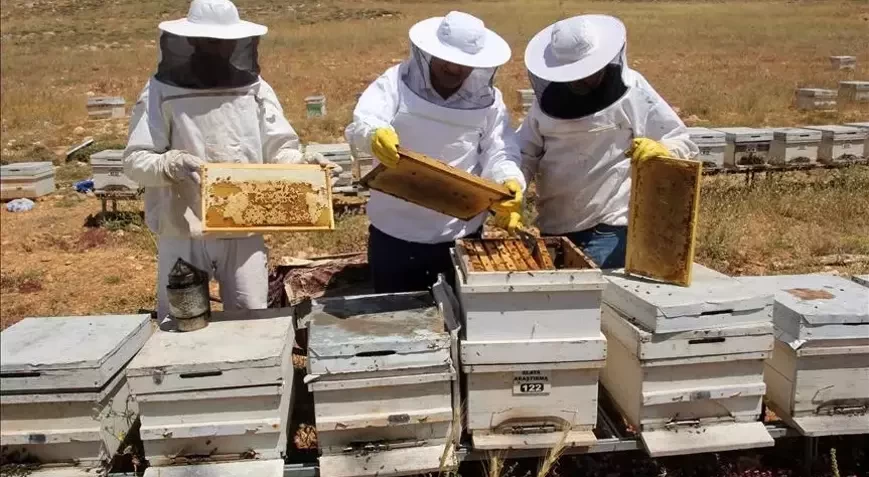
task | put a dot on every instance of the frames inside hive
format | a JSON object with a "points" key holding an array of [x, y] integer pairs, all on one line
{"points": [[269, 197], [511, 255]]}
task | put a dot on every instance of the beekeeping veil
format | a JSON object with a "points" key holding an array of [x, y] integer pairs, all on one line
{"points": [[461, 39], [571, 50], [211, 48]]}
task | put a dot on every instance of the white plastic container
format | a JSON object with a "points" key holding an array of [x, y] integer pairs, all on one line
{"points": [[688, 392], [63, 393], [746, 146], [794, 146], [223, 391], [382, 375], [108, 171], [818, 376], [840, 143], [315, 106], [26, 180], [106, 108], [816, 99], [865, 127], [711, 144], [843, 62], [854, 91]]}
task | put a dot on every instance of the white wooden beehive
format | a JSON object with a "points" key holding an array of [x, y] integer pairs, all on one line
{"points": [[843, 62], [794, 146], [691, 391], [862, 279], [63, 393], [26, 180], [818, 376], [711, 144], [840, 143], [854, 91], [526, 99], [713, 300], [816, 99], [865, 127], [382, 375], [108, 171], [223, 390], [106, 108], [339, 154], [259, 468], [746, 146]]}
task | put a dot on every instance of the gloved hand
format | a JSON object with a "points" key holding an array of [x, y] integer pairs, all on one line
{"points": [[289, 156], [384, 146], [508, 213], [317, 158], [644, 148], [180, 166]]}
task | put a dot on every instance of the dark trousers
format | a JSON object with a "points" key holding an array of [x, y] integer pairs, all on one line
{"points": [[605, 244], [399, 266]]}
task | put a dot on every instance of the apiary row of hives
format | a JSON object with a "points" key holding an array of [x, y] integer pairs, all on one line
{"points": [[746, 147]]}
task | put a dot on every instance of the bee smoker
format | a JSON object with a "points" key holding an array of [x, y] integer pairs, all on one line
{"points": [[189, 303]]}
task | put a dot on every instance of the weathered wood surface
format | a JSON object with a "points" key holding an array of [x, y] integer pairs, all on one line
{"points": [[715, 438]]}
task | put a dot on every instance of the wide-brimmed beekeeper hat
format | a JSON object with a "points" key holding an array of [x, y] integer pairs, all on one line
{"points": [[462, 39], [213, 19], [575, 48]]}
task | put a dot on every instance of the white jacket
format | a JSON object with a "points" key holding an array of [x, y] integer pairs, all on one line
{"points": [[478, 141], [582, 171], [243, 125]]}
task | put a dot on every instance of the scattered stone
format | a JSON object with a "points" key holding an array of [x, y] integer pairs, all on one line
{"points": [[78, 130]]}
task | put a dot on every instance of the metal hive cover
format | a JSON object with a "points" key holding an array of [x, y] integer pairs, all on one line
{"points": [[430, 183], [113, 155], [26, 169], [71, 352], [741, 134], [815, 299], [797, 134]]}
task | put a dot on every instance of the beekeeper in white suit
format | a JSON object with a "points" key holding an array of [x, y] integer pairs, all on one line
{"points": [[591, 115], [206, 103], [440, 102]]}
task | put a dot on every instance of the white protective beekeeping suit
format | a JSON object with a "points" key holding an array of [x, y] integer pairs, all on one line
{"points": [[216, 112], [579, 161], [469, 130]]}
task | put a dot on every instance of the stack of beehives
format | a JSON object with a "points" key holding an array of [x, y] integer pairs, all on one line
{"points": [[63, 393], [382, 376], [222, 392], [685, 364], [340, 155], [818, 377], [532, 347]]}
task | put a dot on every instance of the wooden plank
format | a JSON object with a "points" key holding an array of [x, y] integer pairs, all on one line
{"points": [[486, 441], [523, 252], [265, 198], [416, 460], [246, 468], [543, 256], [484, 256], [557, 350], [495, 256], [437, 186], [505, 256], [665, 196], [713, 438]]}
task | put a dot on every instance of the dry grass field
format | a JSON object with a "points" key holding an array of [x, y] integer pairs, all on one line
{"points": [[720, 63]]}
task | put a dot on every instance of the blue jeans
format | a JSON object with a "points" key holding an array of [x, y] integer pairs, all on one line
{"points": [[605, 244]]}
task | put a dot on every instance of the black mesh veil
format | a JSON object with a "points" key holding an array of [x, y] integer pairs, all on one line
{"points": [[476, 92], [207, 63]]}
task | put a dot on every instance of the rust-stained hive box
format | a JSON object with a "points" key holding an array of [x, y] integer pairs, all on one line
{"points": [[665, 196], [430, 183], [266, 198]]}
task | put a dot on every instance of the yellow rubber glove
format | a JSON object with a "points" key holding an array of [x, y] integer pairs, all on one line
{"points": [[644, 148], [508, 213], [384, 146]]}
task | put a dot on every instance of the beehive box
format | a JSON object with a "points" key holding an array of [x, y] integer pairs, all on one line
{"points": [[746, 146], [262, 468], [222, 391], [63, 393], [711, 144], [266, 198], [106, 108], [862, 279], [816, 99], [865, 127], [339, 154], [382, 376], [26, 180], [854, 91], [108, 171], [840, 143], [843, 62], [692, 391], [315, 106], [526, 99], [794, 146], [713, 300], [818, 376]]}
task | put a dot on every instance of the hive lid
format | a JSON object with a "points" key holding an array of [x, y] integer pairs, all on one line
{"points": [[740, 134], [246, 468], [840, 132], [237, 348], [855, 84], [713, 299], [114, 155], [68, 353], [26, 169], [706, 136], [817, 93], [711, 438], [814, 299], [861, 279], [858, 125], [797, 134], [376, 333], [106, 101]]}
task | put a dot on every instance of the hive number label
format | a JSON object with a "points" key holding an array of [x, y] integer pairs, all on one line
{"points": [[531, 383]]}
